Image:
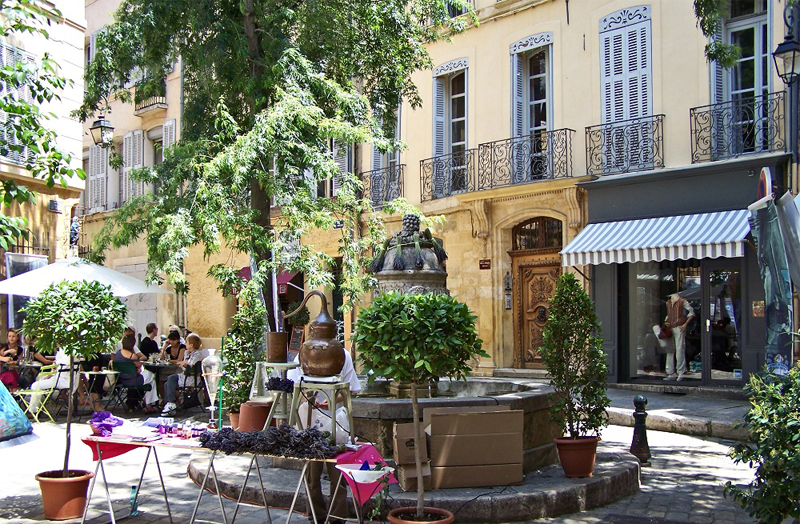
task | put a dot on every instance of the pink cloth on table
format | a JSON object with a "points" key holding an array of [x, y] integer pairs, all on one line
{"points": [[109, 449], [367, 453]]}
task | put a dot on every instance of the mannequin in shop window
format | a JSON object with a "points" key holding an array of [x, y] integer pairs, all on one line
{"points": [[679, 315]]}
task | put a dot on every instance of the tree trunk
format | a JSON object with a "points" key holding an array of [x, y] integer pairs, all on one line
{"points": [[70, 402], [418, 443]]}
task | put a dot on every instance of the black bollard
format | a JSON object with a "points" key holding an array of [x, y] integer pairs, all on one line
{"points": [[639, 447]]}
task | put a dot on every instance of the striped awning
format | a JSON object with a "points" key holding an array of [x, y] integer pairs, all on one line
{"points": [[706, 235]]}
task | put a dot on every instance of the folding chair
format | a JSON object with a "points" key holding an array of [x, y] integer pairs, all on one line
{"points": [[124, 395], [194, 383], [25, 396]]}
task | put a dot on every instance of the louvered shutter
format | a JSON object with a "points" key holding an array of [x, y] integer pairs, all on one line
{"points": [[93, 44], [98, 175], [341, 155], [127, 164], [102, 179], [377, 157], [718, 90], [91, 186], [168, 136], [137, 188], [439, 134], [518, 95]]}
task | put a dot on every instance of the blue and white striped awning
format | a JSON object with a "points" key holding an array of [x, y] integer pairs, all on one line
{"points": [[706, 235]]}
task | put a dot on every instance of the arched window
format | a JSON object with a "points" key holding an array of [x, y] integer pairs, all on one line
{"points": [[538, 233]]}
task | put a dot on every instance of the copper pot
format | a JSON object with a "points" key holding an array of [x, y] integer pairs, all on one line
{"points": [[321, 355]]}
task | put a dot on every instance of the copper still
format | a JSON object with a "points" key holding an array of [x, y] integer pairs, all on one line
{"points": [[321, 355]]}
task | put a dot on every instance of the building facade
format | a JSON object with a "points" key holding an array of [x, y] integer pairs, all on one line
{"points": [[49, 217]]}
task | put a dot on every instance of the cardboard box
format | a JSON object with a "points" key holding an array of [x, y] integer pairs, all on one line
{"points": [[427, 412], [475, 476], [407, 476], [476, 450], [485, 423], [403, 442]]}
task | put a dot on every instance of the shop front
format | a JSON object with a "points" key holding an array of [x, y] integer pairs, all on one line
{"points": [[674, 273]]}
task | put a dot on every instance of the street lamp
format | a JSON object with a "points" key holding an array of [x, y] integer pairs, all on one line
{"points": [[787, 65], [787, 59], [102, 131]]}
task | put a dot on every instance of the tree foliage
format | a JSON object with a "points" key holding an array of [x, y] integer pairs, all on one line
{"points": [[26, 86], [266, 86], [571, 350], [774, 423]]}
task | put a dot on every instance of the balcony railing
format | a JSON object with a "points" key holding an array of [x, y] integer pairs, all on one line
{"points": [[383, 185], [625, 146], [520, 160], [446, 175], [149, 104], [739, 127]]}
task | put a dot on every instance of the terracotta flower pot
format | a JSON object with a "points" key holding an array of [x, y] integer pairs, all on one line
{"points": [[64, 498], [234, 420], [577, 455], [253, 415], [409, 516]]}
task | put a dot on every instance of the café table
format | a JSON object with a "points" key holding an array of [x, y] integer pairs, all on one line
{"points": [[99, 374], [157, 368]]}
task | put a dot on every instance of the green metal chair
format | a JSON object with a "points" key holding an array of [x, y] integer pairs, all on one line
{"points": [[25, 396]]}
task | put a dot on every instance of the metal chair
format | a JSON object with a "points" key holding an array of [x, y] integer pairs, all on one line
{"points": [[193, 383], [122, 394], [25, 396]]}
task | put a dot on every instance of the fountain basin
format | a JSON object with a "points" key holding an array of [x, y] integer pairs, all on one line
{"points": [[374, 416]]}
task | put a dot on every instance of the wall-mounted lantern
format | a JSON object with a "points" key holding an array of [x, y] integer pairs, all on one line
{"points": [[508, 283]]}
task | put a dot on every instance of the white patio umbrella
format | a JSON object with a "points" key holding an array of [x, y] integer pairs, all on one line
{"points": [[32, 283]]}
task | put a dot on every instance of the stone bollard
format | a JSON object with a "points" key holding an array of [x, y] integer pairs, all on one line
{"points": [[639, 447]]}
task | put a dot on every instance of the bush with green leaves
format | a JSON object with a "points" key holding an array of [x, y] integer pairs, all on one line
{"points": [[774, 423], [417, 339], [571, 350], [302, 317], [241, 349], [81, 318]]}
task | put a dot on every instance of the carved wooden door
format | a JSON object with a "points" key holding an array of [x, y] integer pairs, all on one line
{"points": [[536, 283]]}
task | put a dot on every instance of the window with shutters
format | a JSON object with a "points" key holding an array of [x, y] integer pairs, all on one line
{"points": [[451, 167], [626, 86], [10, 149], [343, 156], [132, 158], [531, 107], [96, 195], [383, 182]]}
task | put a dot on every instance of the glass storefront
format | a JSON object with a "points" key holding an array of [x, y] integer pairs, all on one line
{"points": [[700, 302]]}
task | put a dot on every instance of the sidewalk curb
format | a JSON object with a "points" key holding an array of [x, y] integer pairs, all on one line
{"points": [[661, 420]]}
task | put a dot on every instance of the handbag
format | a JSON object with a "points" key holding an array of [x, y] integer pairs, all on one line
{"points": [[665, 332]]}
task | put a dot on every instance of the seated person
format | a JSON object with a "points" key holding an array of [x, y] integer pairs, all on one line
{"points": [[174, 349], [58, 379], [191, 357], [10, 353], [127, 354], [148, 345]]}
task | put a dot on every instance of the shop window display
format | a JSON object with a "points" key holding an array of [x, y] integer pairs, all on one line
{"points": [[670, 295]]}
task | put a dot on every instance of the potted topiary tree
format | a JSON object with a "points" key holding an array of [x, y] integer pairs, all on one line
{"points": [[82, 319], [571, 350], [417, 339]]}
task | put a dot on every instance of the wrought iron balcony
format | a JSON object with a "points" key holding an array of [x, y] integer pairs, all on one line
{"points": [[383, 185], [625, 146], [446, 175], [739, 127], [524, 159], [150, 104]]}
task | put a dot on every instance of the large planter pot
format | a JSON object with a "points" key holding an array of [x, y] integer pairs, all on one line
{"points": [[234, 420], [577, 455], [277, 346], [409, 516], [63, 498]]}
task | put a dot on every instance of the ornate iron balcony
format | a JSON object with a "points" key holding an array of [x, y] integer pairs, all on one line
{"points": [[383, 185], [625, 146], [524, 159], [739, 127], [153, 103], [446, 175]]}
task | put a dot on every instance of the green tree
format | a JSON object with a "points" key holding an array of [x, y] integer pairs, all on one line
{"points": [[267, 86], [26, 86], [81, 318]]}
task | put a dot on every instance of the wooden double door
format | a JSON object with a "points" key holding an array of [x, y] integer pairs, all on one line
{"points": [[535, 278]]}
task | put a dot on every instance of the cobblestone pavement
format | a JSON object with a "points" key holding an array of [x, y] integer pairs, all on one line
{"points": [[683, 485]]}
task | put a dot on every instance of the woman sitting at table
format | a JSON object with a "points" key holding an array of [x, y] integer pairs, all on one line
{"points": [[174, 348], [143, 376], [191, 357], [10, 353], [58, 380]]}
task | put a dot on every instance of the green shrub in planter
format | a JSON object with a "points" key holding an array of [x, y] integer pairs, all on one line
{"points": [[571, 350], [774, 423], [417, 339], [241, 348], [82, 318]]}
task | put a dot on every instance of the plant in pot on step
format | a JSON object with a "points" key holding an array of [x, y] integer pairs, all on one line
{"points": [[417, 339], [81, 319], [241, 349], [571, 351]]}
